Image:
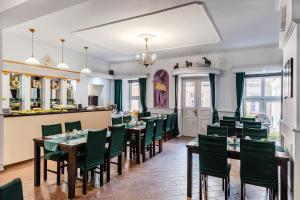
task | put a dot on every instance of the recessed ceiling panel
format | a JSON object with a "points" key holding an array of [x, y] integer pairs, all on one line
{"points": [[181, 26]]}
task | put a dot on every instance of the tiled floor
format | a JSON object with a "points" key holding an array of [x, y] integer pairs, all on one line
{"points": [[162, 177]]}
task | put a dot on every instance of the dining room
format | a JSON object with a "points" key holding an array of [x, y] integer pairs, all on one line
{"points": [[165, 100]]}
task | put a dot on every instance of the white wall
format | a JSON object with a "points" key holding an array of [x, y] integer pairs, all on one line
{"points": [[225, 83], [1, 117]]}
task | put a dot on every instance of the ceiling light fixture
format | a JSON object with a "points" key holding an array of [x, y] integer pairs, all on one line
{"points": [[62, 65], [146, 58], [86, 70], [32, 60]]}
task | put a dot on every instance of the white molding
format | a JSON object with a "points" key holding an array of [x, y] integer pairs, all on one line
{"points": [[289, 32], [259, 69], [195, 71], [130, 76]]}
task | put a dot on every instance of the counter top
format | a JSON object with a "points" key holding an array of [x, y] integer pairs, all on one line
{"points": [[51, 113]]}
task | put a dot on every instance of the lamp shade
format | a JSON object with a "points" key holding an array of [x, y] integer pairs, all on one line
{"points": [[32, 61], [86, 71], [62, 65]]}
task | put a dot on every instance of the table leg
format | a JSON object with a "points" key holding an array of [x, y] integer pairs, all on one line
{"points": [[37, 164], [71, 174], [283, 180], [189, 172], [138, 147]]}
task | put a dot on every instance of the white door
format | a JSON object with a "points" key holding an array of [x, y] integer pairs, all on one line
{"points": [[196, 112]]}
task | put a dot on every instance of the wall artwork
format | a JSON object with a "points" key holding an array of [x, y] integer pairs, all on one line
{"points": [[161, 89], [288, 79]]}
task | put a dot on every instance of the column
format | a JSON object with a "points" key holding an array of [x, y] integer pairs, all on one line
{"points": [[1, 116], [63, 92], [46, 93], [26, 91], [5, 89]]}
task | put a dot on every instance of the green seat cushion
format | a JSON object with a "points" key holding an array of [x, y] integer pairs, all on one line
{"points": [[56, 155]]}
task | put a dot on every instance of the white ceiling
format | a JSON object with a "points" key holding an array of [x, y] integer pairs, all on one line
{"points": [[241, 24], [122, 36]]}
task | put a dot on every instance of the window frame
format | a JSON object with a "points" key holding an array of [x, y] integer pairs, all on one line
{"points": [[130, 82]]}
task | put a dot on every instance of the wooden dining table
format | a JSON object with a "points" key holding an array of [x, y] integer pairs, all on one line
{"points": [[233, 152], [71, 148]]}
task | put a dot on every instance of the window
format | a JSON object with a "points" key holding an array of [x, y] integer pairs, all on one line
{"points": [[134, 96], [189, 94], [263, 95], [205, 94]]}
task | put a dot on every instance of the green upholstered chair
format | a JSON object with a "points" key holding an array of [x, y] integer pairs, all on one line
{"points": [[158, 134], [255, 134], [12, 190], [58, 156], [115, 148], [247, 119], [141, 114], [258, 165], [116, 120], [173, 124], [93, 155], [217, 130], [147, 139], [147, 114], [167, 127], [252, 125], [228, 118], [231, 126], [127, 118], [70, 126], [213, 160]]}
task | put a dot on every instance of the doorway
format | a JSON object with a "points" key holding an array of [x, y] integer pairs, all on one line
{"points": [[196, 106]]}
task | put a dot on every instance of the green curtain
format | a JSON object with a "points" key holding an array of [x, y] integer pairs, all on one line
{"points": [[239, 82], [118, 94], [215, 115], [176, 107], [143, 87]]}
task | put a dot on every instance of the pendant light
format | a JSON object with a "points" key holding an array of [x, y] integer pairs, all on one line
{"points": [[32, 60], [62, 65], [86, 70]]}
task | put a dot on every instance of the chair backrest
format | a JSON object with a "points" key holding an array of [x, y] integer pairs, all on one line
{"points": [[213, 155], [247, 119], [258, 163], [52, 129], [147, 114], [168, 123], [252, 125], [228, 123], [116, 140], [217, 130], [116, 120], [159, 127], [255, 134], [70, 126], [127, 118], [12, 190], [229, 118], [95, 148], [174, 121], [149, 132]]}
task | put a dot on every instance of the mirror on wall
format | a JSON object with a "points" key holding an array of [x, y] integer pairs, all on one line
{"points": [[94, 95], [55, 92], [15, 100], [36, 92]]}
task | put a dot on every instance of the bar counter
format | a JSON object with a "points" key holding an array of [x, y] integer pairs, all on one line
{"points": [[19, 130]]}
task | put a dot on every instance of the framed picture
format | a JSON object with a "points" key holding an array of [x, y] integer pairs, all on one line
{"points": [[161, 89], [288, 79]]}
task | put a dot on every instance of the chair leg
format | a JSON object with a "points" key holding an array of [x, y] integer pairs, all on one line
{"points": [[165, 137], [92, 174], [205, 182], [154, 147], [242, 191], [63, 168], [130, 152], [144, 153], [58, 173], [160, 146], [101, 175], [223, 184], [108, 170], [150, 149], [229, 185], [85, 173], [120, 164], [200, 187], [45, 170], [226, 188]]}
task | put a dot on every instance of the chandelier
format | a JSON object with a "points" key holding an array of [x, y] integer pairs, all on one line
{"points": [[146, 58]]}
